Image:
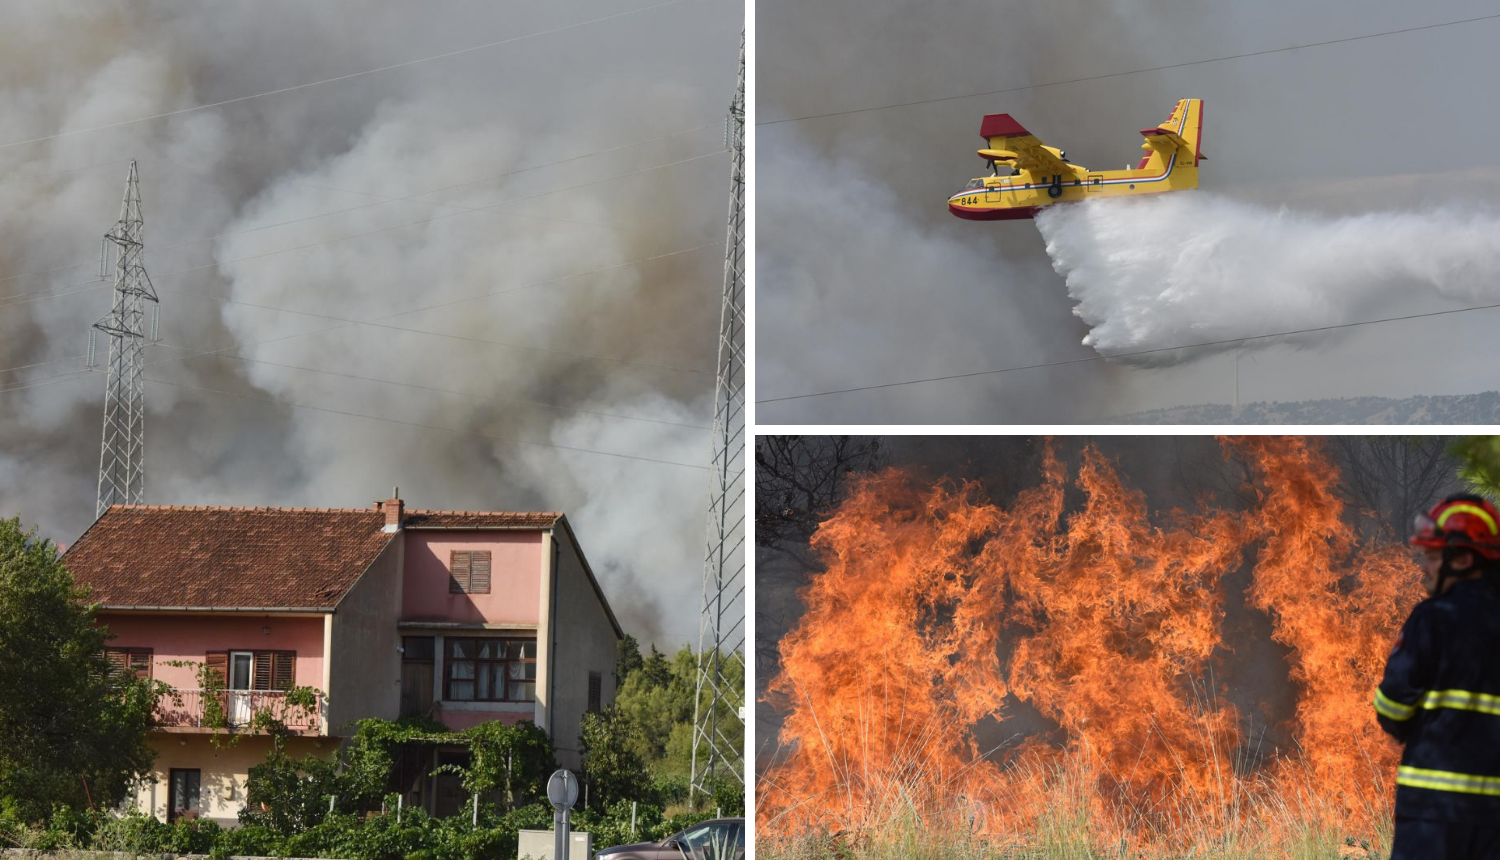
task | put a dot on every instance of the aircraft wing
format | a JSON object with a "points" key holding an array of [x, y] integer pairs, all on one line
{"points": [[1011, 144]]}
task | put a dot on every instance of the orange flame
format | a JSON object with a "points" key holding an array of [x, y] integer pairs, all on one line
{"points": [[938, 611]]}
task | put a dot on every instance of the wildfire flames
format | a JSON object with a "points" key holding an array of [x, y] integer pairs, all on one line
{"points": [[939, 610]]}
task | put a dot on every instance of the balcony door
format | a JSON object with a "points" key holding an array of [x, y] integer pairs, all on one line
{"points": [[182, 793], [241, 670]]}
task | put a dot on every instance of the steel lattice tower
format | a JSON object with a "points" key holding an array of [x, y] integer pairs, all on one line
{"points": [[718, 709], [121, 456]]}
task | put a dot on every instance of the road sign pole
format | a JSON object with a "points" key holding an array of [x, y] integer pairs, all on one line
{"points": [[562, 791]]}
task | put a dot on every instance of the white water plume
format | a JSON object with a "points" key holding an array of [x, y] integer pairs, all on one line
{"points": [[1188, 268]]}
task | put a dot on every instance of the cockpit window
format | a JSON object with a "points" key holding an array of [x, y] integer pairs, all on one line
{"points": [[974, 183]]}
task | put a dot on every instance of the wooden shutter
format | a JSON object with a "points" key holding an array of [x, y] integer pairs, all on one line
{"points": [[479, 573], [283, 669], [458, 572], [218, 661], [261, 678], [140, 663], [596, 691], [274, 670]]}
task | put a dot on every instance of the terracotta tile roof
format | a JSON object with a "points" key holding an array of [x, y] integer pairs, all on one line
{"points": [[231, 557], [480, 519], [222, 557]]}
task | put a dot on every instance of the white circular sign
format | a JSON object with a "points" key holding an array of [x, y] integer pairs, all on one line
{"points": [[562, 789]]}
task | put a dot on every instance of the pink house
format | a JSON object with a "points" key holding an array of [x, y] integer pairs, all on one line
{"points": [[463, 616]]}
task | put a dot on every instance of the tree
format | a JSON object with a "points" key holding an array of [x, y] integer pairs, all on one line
{"points": [[800, 478], [1479, 464], [627, 658], [1391, 479], [72, 729], [612, 760], [656, 670]]}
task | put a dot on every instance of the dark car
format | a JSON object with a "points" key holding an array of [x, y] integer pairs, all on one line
{"points": [[719, 839]]}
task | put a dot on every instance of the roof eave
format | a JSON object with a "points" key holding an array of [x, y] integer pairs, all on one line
{"points": [[119, 607], [593, 580]]}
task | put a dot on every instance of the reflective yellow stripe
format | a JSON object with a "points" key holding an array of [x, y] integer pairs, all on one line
{"points": [[1444, 780], [1468, 509], [1392, 709], [1461, 700]]}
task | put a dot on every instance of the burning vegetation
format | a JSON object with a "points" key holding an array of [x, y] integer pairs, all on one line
{"points": [[1093, 639]]}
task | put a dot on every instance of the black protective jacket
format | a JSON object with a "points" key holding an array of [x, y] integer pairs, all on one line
{"points": [[1441, 698]]}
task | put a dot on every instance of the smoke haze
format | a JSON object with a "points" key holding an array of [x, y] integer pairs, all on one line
{"points": [[318, 259]]}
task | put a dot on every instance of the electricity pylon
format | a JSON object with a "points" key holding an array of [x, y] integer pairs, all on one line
{"points": [[719, 706], [122, 453]]}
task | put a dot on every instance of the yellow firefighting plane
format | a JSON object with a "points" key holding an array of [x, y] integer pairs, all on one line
{"points": [[1042, 175]]}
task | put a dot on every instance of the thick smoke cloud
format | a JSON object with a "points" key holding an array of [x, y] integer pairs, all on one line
{"points": [[545, 324], [1179, 269]]}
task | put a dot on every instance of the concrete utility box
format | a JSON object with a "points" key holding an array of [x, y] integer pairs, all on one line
{"points": [[537, 845]]}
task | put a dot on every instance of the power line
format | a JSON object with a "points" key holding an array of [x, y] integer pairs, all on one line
{"points": [[349, 76], [86, 285], [42, 363], [448, 391], [372, 320], [21, 174], [426, 426], [469, 338], [47, 380], [1161, 349], [1136, 71]]}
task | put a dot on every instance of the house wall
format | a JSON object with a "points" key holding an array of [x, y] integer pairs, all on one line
{"points": [[461, 715], [364, 665], [189, 637], [514, 586], [583, 640], [223, 772]]}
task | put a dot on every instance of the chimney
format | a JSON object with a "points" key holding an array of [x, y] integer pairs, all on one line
{"points": [[393, 508]]}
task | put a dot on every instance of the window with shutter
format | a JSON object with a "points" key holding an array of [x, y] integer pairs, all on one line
{"points": [[458, 572], [596, 691], [275, 670], [136, 661], [469, 572]]}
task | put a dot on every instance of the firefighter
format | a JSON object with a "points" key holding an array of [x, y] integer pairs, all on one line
{"points": [[1441, 692]]}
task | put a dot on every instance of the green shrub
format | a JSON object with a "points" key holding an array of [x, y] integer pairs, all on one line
{"points": [[66, 828], [252, 840], [193, 836], [729, 798], [289, 795], [134, 833]]}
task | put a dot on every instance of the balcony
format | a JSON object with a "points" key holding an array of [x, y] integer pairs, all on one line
{"points": [[183, 710]]}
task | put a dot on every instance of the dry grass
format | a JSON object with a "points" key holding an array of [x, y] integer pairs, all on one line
{"points": [[1255, 809], [1245, 818]]}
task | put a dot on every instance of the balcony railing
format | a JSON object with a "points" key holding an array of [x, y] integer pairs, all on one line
{"points": [[183, 708]]}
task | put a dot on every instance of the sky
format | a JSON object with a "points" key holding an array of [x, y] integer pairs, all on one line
{"points": [[1345, 182], [337, 319]]}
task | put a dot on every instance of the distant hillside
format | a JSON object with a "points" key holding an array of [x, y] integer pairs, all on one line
{"points": [[1482, 408]]}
